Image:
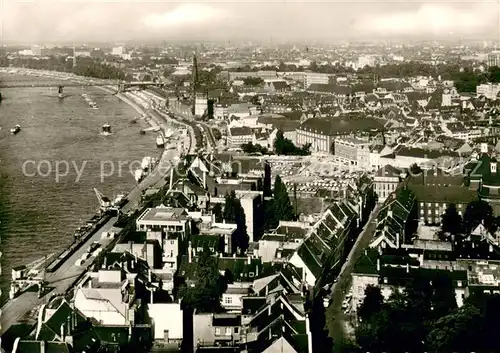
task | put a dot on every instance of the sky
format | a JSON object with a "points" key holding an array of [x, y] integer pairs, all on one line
{"points": [[35, 21]]}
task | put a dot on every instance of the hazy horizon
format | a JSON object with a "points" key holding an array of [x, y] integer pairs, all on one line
{"points": [[38, 21]]}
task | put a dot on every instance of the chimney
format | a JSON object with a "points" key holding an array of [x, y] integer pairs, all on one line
{"points": [[151, 298], [130, 246], [378, 265], [407, 268], [493, 167], [42, 347], [149, 276], [234, 255], [249, 260], [171, 178], [62, 332], [105, 262], [309, 335], [303, 275], [204, 179], [190, 251], [490, 248]]}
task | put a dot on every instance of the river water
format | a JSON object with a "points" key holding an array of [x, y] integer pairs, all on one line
{"points": [[38, 211]]}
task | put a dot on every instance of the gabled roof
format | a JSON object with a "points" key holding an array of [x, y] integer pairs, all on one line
{"points": [[26, 346]]}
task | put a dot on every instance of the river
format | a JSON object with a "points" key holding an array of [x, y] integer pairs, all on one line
{"points": [[39, 211]]}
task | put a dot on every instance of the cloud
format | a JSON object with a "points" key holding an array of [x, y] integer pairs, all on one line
{"points": [[189, 14], [434, 19]]}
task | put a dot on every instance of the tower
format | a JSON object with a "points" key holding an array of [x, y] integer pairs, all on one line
{"points": [[195, 81], [74, 55]]}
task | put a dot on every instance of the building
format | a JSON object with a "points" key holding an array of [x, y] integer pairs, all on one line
{"points": [[392, 271], [352, 152], [167, 322], [315, 77], [376, 152], [396, 221], [484, 178], [161, 220], [494, 59], [321, 132], [251, 202], [489, 90], [386, 181], [107, 296], [200, 104], [435, 191], [238, 136], [118, 51], [322, 253]]}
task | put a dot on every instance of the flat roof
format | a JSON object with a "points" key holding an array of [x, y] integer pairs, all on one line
{"points": [[163, 214]]}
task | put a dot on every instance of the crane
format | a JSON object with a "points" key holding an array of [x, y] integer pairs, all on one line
{"points": [[104, 202], [106, 205]]}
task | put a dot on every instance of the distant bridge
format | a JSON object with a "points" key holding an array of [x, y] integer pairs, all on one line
{"points": [[121, 85]]}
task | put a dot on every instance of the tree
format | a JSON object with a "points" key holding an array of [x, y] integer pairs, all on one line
{"points": [[146, 78], [282, 208], [443, 297], [478, 212], [372, 303], [253, 81], [217, 211], [283, 146], [205, 295], [267, 180], [458, 331], [251, 148], [451, 221], [129, 78], [233, 213], [415, 170]]}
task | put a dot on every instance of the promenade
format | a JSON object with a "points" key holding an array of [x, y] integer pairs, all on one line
{"points": [[64, 277]]}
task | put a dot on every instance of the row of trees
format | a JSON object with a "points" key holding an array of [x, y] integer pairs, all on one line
{"points": [[85, 66], [251, 148], [284, 146], [424, 317], [477, 212]]}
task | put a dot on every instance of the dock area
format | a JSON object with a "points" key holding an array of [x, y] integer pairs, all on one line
{"points": [[65, 271]]}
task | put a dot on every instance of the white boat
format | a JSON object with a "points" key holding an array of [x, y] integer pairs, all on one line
{"points": [[15, 129], [106, 130], [118, 199], [138, 174], [160, 141], [146, 161]]}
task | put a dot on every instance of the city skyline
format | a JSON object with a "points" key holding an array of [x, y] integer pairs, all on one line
{"points": [[33, 21]]}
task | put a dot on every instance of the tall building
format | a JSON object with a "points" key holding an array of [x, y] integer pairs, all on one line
{"points": [[195, 71], [200, 103], [494, 59], [195, 82]]}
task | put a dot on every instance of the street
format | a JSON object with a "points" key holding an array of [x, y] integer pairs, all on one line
{"points": [[334, 313]]}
